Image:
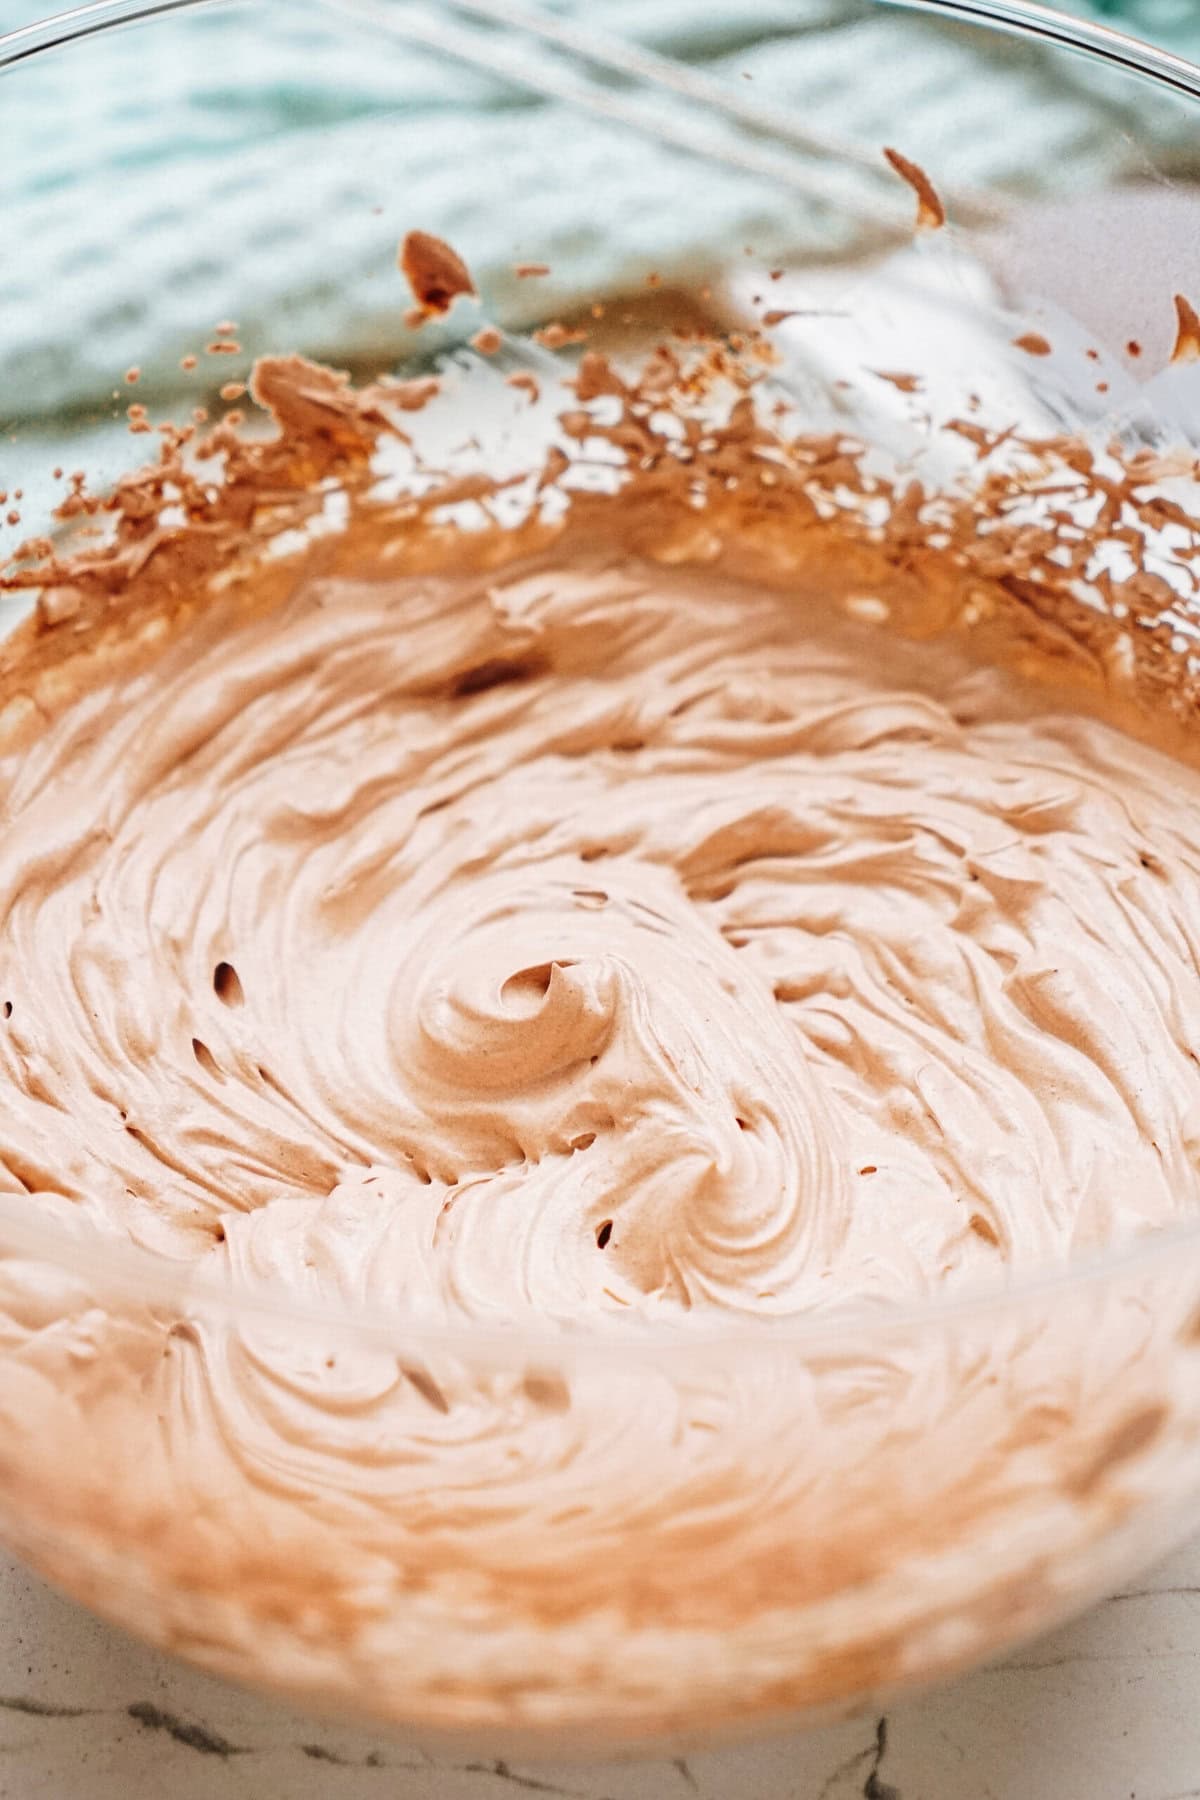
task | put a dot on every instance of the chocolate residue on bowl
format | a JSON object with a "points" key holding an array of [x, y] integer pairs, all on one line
{"points": [[435, 272], [557, 336], [1187, 336], [931, 214], [907, 384]]}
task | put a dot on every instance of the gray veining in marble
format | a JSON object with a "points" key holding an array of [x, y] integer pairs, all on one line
{"points": [[1107, 1709]]}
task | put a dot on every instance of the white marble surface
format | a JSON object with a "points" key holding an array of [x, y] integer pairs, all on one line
{"points": [[1108, 1709]]}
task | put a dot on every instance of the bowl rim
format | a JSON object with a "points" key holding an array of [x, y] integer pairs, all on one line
{"points": [[1027, 19], [146, 1278], [143, 1278]]}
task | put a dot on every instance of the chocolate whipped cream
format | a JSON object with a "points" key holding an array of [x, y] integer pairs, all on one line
{"points": [[593, 938], [618, 928]]}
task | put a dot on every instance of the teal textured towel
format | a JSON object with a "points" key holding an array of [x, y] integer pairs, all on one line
{"points": [[116, 193]]}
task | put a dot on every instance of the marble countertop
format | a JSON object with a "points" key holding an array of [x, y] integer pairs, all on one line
{"points": [[1107, 1709]]}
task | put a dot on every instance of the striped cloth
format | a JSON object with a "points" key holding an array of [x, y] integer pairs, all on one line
{"points": [[262, 162]]}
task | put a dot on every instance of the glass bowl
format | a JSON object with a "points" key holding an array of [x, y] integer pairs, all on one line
{"points": [[746, 1527]]}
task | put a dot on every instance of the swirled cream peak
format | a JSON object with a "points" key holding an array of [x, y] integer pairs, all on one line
{"points": [[584, 939]]}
